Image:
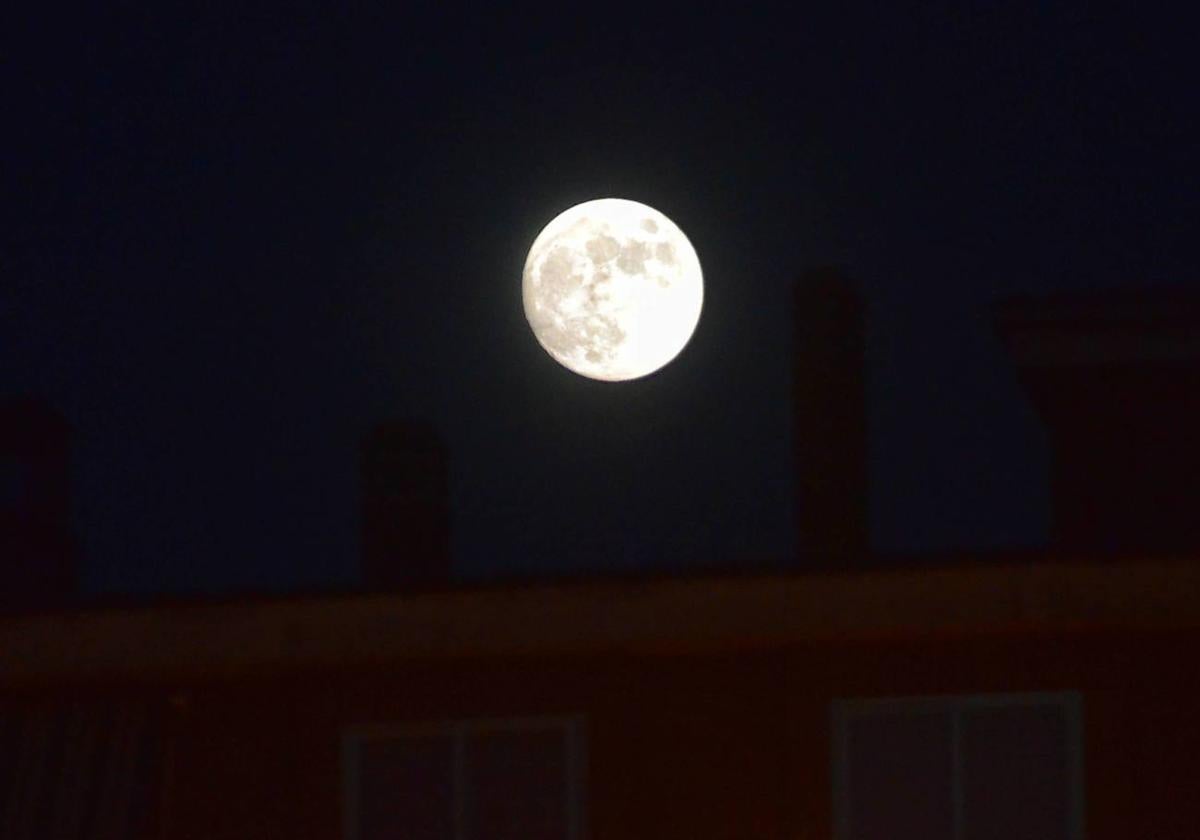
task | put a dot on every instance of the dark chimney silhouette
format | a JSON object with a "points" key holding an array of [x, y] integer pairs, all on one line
{"points": [[830, 422], [1116, 379], [37, 551], [405, 507]]}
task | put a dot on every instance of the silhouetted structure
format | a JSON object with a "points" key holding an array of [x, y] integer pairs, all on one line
{"points": [[993, 699], [1116, 377], [37, 553], [405, 507], [830, 434], [720, 708]]}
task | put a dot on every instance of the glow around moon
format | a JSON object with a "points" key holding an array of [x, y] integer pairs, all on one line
{"points": [[612, 289]]}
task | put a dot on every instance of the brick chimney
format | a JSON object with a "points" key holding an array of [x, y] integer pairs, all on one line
{"points": [[1116, 379], [37, 552], [830, 423], [405, 507]]}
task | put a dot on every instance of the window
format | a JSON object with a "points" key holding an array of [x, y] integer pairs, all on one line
{"points": [[517, 779], [81, 769], [959, 768]]}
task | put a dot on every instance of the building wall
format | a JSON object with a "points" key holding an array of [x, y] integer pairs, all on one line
{"points": [[698, 746]]}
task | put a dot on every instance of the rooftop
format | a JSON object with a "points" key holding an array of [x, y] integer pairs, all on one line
{"points": [[670, 615]]}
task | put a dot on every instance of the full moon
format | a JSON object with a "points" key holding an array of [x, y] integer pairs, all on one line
{"points": [[612, 289]]}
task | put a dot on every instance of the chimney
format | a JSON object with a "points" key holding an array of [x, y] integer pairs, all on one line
{"points": [[1116, 379], [830, 423], [405, 507], [37, 552]]}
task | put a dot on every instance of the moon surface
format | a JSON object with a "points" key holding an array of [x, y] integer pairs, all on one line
{"points": [[612, 289]]}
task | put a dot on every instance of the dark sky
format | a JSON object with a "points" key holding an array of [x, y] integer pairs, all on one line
{"points": [[234, 242]]}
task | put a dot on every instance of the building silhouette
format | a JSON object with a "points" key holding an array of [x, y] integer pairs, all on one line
{"points": [[1004, 696], [1116, 379], [405, 515], [830, 421], [37, 551]]}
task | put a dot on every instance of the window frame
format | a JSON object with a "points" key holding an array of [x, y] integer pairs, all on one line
{"points": [[573, 728], [844, 710]]}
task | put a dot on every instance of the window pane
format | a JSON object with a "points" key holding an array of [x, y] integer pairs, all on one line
{"points": [[1016, 773], [517, 785], [406, 788], [899, 769]]}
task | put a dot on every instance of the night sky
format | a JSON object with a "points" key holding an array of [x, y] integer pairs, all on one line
{"points": [[235, 242]]}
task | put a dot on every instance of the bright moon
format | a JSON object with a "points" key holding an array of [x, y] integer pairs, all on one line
{"points": [[612, 289]]}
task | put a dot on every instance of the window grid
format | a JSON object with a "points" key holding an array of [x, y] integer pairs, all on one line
{"points": [[572, 728], [956, 706]]}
